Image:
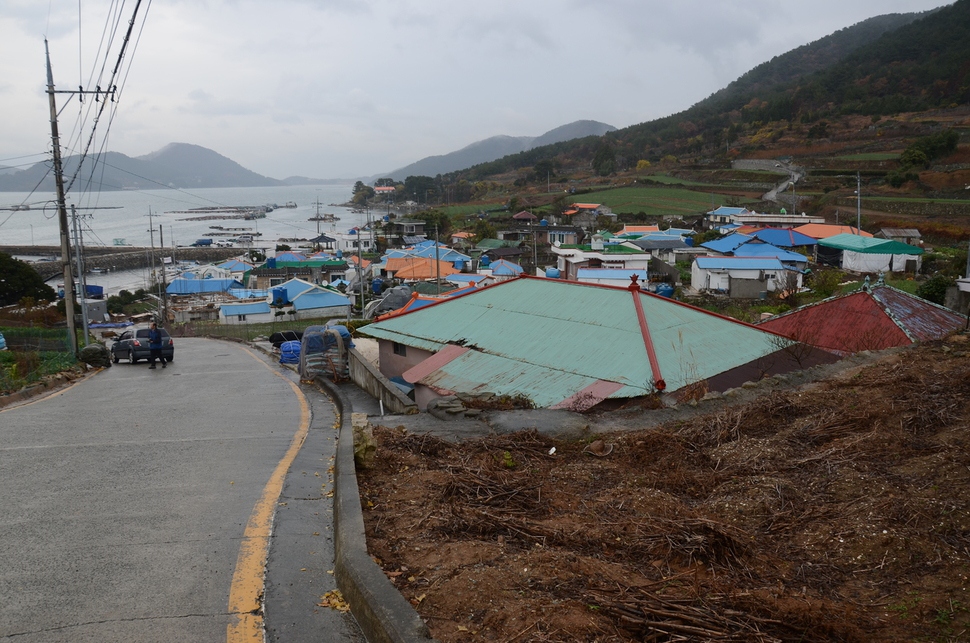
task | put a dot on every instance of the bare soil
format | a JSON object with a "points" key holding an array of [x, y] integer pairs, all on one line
{"points": [[832, 512]]}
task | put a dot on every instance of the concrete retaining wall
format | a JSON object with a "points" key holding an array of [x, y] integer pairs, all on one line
{"points": [[367, 377], [383, 614], [126, 258]]}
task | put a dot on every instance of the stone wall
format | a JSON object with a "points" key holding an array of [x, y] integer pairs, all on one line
{"points": [[917, 208]]}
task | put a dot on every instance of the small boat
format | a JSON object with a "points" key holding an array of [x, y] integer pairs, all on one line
{"points": [[290, 204]]}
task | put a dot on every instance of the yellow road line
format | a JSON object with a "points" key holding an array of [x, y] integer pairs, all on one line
{"points": [[246, 590]]}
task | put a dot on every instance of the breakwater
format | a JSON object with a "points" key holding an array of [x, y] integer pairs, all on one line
{"points": [[123, 258]]}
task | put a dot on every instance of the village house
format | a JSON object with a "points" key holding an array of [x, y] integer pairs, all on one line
{"points": [[871, 318], [570, 258], [742, 277], [909, 236], [402, 232], [574, 346], [739, 216], [585, 215], [869, 254]]}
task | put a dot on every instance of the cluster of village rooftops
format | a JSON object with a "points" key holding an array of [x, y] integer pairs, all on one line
{"points": [[597, 328]]}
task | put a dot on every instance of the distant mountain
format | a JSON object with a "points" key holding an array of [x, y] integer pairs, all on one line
{"points": [[177, 165], [305, 180], [883, 65], [494, 148]]}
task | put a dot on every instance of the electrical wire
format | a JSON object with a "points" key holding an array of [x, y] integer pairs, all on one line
{"points": [[104, 101]]}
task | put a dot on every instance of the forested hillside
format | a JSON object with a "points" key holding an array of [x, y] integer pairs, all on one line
{"points": [[882, 66]]}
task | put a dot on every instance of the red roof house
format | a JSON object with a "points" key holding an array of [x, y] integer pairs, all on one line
{"points": [[872, 318]]}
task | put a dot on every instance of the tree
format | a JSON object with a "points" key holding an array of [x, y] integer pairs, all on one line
{"points": [[604, 162], [419, 188], [384, 183], [362, 192], [18, 280], [435, 219], [484, 230]]}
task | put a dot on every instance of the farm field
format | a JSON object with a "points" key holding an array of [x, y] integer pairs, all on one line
{"points": [[655, 200]]}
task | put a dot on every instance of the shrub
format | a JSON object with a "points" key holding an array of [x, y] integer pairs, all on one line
{"points": [[826, 282], [934, 288]]}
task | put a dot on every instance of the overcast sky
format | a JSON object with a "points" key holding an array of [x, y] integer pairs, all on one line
{"points": [[350, 88]]}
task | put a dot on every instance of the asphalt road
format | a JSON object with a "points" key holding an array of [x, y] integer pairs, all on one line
{"points": [[138, 505]]}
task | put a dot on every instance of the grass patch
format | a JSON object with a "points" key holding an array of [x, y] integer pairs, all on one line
{"points": [[23, 368], [906, 285], [654, 200], [670, 180]]}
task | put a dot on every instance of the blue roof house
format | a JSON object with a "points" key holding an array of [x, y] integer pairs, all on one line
{"points": [[503, 270], [766, 250], [246, 312], [742, 277], [310, 301], [727, 245], [785, 238]]}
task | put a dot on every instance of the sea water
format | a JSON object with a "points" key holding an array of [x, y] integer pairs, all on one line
{"points": [[134, 218]]}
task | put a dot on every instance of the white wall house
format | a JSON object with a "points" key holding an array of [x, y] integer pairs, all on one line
{"points": [[722, 274]]}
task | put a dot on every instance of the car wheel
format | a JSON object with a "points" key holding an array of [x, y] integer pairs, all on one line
{"points": [[114, 357], [131, 357]]}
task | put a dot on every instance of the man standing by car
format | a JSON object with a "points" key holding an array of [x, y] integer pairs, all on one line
{"points": [[155, 345]]}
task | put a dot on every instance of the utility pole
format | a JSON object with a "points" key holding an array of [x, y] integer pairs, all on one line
{"points": [[437, 264], [61, 211], [151, 257], [82, 284], [161, 242], [858, 202]]}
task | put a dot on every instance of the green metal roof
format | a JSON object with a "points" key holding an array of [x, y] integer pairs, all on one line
{"points": [[492, 244], [869, 245], [548, 339]]}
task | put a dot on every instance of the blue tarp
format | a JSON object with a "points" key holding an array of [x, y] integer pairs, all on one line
{"points": [[316, 340], [200, 286], [290, 353]]}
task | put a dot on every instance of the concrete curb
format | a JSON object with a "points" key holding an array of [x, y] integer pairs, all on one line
{"points": [[382, 613]]}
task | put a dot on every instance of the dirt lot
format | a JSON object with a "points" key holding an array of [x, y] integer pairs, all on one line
{"points": [[836, 511]]}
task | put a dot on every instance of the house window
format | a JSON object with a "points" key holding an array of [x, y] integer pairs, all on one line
{"points": [[400, 349], [241, 317], [275, 281]]}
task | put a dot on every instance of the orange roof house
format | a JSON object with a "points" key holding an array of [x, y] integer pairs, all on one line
{"points": [[826, 230], [418, 268], [363, 262]]}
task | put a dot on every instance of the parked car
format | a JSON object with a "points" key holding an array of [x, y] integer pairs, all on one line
{"points": [[133, 346], [3, 343]]}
